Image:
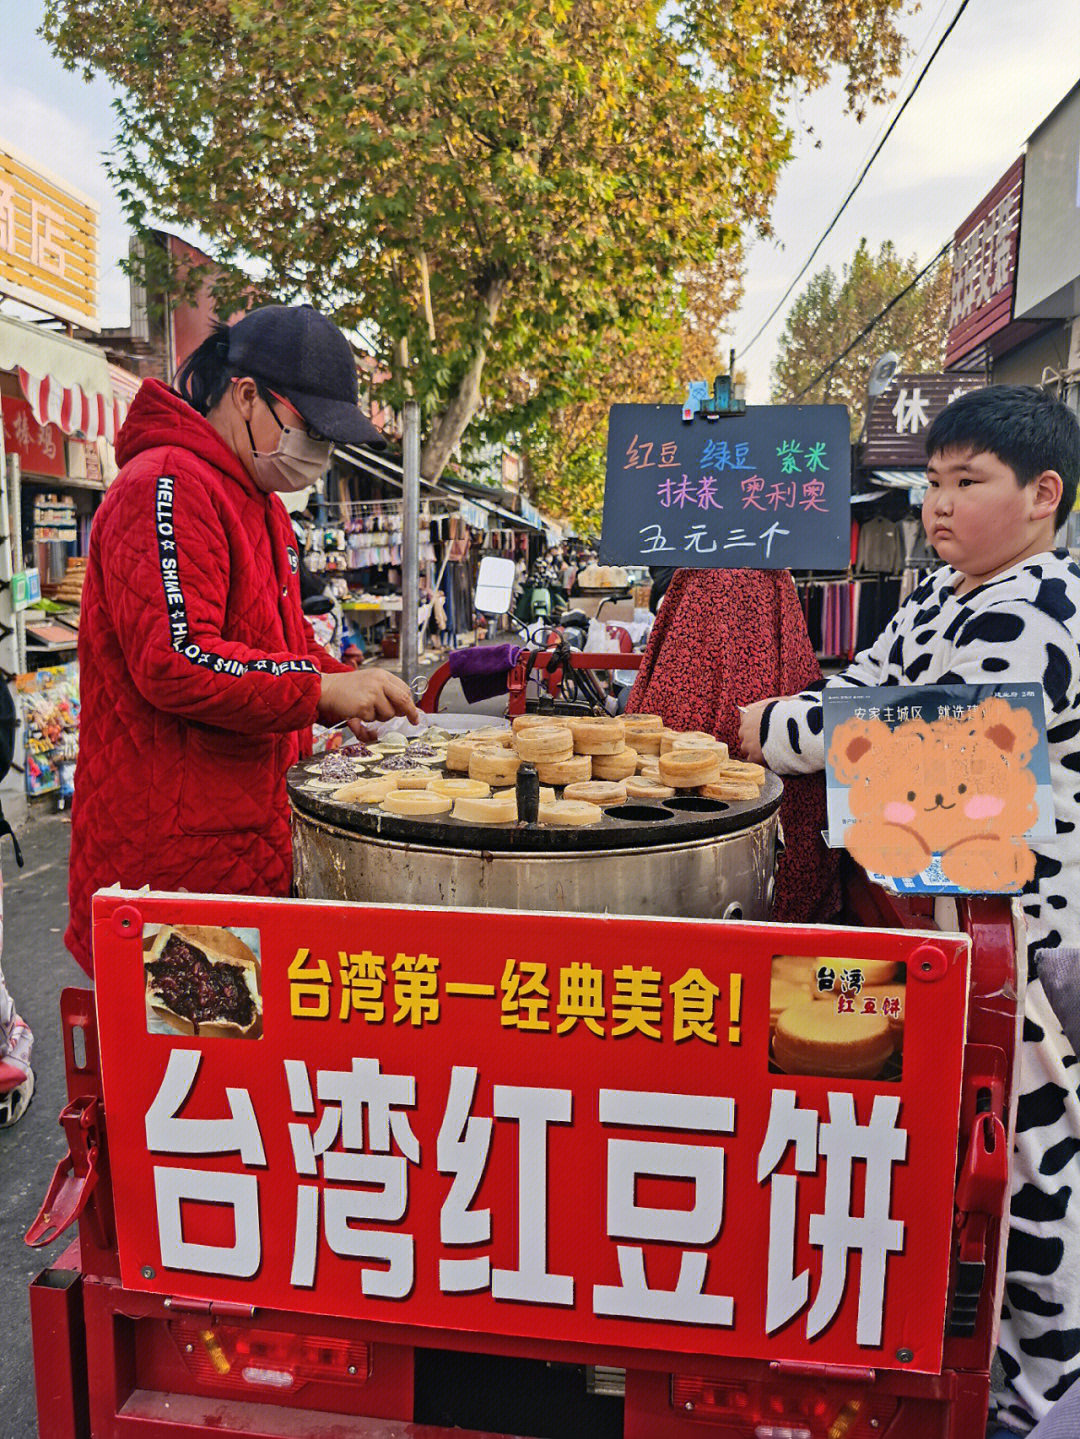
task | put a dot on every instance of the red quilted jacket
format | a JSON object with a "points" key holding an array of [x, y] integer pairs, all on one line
{"points": [[200, 675]]}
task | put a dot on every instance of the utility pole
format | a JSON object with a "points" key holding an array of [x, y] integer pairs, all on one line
{"points": [[410, 521], [12, 655]]}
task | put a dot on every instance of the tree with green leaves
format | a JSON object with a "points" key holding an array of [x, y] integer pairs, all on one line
{"points": [[498, 191], [565, 454], [833, 309]]}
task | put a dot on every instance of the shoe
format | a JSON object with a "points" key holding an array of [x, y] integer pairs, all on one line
{"points": [[15, 1103], [12, 1075], [15, 1060]]}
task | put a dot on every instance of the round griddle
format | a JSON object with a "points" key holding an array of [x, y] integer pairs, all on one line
{"points": [[640, 823]]}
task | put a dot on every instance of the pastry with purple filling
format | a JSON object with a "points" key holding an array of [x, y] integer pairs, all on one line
{"points": [[204, 981]]}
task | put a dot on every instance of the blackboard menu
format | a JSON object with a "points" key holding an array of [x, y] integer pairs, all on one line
{"points": [[768, 490]]}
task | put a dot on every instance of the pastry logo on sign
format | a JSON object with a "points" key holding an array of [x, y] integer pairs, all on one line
{"points": [[203, 980], [940, 788], [838, 1018]]}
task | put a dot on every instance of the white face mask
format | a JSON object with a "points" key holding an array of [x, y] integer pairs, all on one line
{"points": [[297, 462]]}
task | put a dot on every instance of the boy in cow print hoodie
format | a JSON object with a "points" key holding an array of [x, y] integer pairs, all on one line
{"points": [[1004, 607]]}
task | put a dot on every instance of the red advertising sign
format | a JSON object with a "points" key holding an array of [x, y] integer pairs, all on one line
{"points": [[678, 1136], [40, 448], [984, 267]]}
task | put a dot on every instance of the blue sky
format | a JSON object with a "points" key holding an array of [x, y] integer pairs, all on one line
{"points": [[1005, 66]]}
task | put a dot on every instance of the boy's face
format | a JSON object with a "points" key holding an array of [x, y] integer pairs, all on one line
{"points": [[978, 516]]}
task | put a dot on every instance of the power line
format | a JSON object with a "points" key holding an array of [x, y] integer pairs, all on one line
{"points": [[871, 323], [861, 177], [908, 73]]}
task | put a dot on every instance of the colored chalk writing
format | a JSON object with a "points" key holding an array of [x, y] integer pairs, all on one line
{"points": [[788, 464]]}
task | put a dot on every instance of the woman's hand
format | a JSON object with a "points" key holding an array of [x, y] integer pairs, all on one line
{"points": [[364, 697], [750, 730]]}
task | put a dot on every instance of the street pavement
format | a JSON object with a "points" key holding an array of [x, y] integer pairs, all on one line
{"points": [[37, 967]]}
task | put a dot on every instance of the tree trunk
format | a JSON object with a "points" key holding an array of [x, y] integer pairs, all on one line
{"points": [[454, 420]]}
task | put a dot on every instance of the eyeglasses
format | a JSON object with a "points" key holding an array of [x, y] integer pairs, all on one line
{"points": [[311, 433]]}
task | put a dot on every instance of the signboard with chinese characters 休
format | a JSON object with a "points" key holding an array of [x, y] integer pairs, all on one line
{"points": [[900, 418], [938, 789], [770, 489], [690, 1137], [40, 448], [48, 241]]}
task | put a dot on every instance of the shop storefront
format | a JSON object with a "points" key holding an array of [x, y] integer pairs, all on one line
{"points": [[353, 535], [1016, 271], [1048, 268], [62, 408], [62, 405], [351, 532], [987, 334]]}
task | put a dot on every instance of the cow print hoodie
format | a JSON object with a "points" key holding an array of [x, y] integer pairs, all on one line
{"points": [[1023, 626]]}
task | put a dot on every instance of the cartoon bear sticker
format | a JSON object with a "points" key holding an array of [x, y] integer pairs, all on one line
{"points": [[960, 789]]}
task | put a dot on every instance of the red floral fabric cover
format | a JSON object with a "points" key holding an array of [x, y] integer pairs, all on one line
{"points": [[725, 638]]}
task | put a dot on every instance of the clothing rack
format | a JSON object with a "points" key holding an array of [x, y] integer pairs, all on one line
{"points": [[384, 506], [845, 612], [808, 579]]}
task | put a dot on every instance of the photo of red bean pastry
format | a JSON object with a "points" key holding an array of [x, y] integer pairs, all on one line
{"points": [[204, 981]]}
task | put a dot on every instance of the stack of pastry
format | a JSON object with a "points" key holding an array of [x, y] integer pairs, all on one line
{"points": [[599, 762], [71, 586], [691, 761], [459, 749], [594, 577]]}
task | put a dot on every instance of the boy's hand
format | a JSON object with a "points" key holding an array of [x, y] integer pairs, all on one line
{"points": [[750, 730], [364, 697]]}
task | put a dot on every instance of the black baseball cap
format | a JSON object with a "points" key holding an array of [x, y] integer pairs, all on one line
{"points": [[302, 355]]}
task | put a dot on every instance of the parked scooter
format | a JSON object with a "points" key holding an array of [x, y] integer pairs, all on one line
{"points": [[579, 687], [538, 602]]}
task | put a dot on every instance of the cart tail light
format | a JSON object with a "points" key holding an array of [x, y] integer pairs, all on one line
{"points": [[238, 1356], [785, 1408]]}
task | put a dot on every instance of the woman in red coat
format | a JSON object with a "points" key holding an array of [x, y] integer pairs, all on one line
{"points": [[200, 676]]}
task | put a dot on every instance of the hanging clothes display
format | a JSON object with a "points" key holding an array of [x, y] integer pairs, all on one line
{"points": [[846, 612], [354, 547]]}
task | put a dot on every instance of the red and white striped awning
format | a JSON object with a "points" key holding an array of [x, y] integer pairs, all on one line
{"points": [[76, 411], [66, 383]]}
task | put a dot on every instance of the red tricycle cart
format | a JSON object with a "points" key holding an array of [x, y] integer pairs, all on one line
{"points": [[446, 1168]]}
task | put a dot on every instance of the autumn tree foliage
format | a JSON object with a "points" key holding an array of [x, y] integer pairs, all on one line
{"points": [[833, 309], [566, 451], [507, 195]]}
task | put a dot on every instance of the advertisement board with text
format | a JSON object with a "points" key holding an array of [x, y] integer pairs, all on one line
{"points": [[767, 489], [40, 448], [681, 1136], [939, 789], [48, 240]]}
